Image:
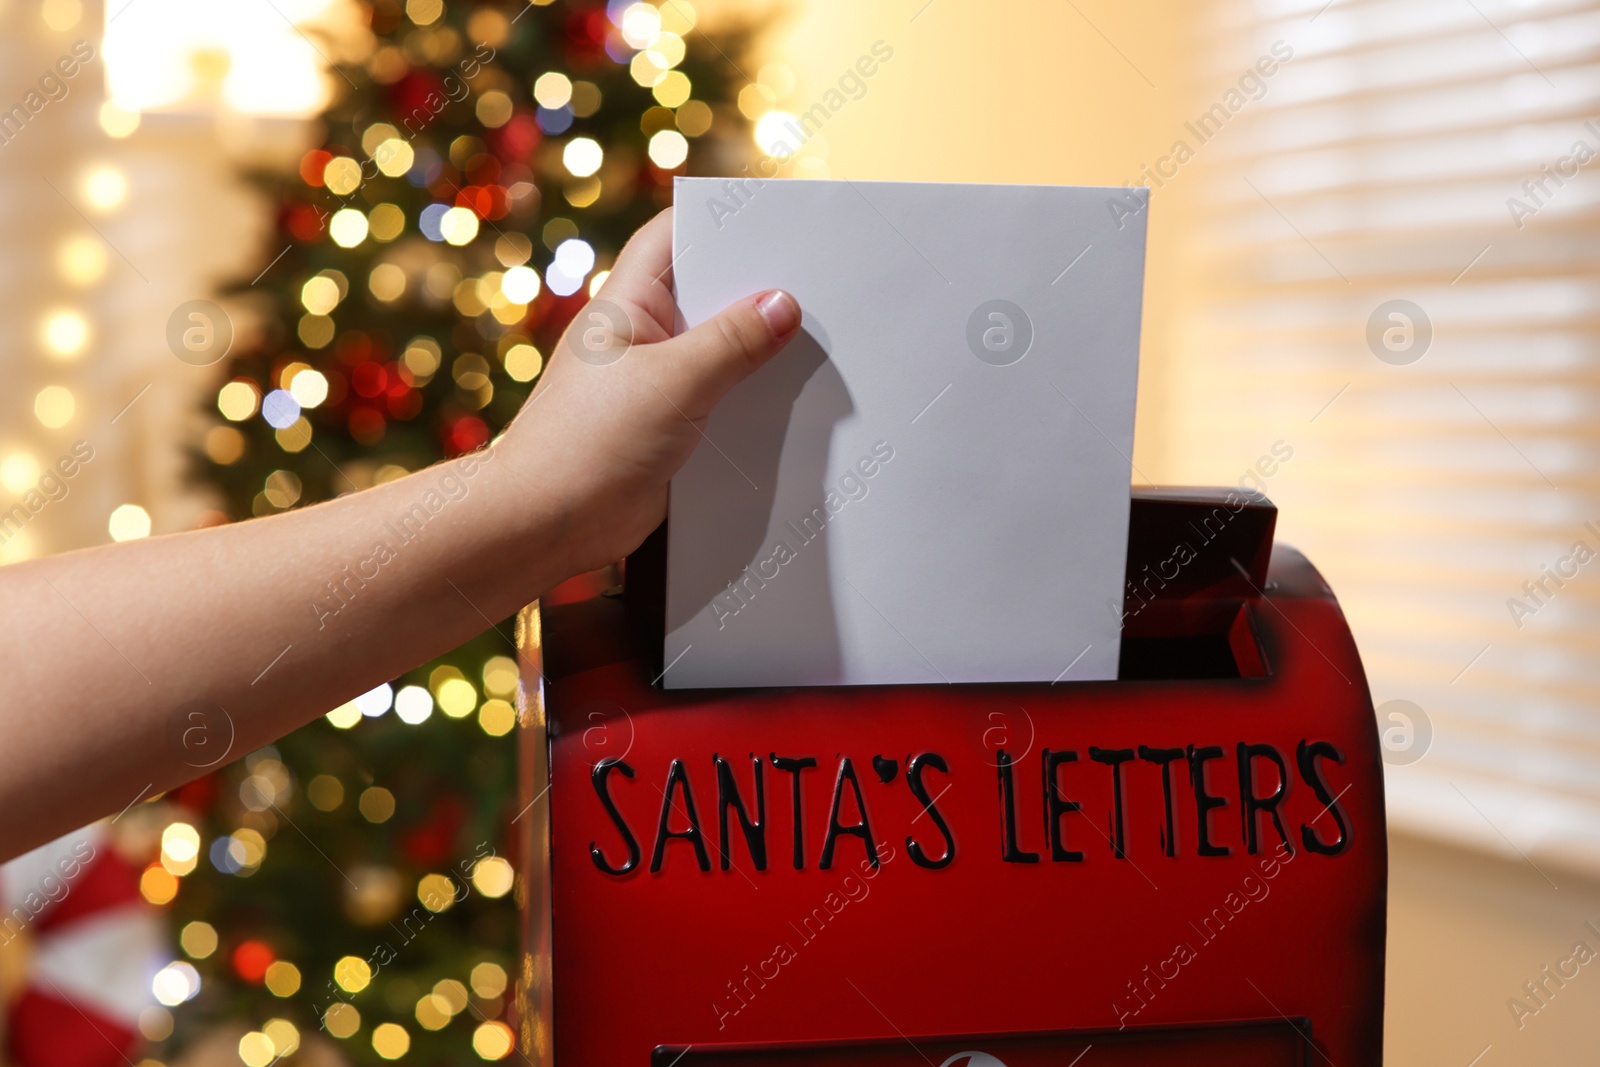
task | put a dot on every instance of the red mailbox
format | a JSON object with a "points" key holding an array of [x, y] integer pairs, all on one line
{"points": [[1187, 865]]}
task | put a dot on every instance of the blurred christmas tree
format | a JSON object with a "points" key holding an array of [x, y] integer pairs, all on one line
{"points": [[477, 173]]}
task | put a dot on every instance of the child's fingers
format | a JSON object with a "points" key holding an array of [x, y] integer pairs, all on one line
{"points": [[705, 362], [642, 274]]}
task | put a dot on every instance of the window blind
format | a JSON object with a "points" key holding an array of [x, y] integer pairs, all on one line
{"points": [[1443, 153]]}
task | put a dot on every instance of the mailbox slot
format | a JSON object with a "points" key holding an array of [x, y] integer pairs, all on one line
{"points": [[1197, 562]]}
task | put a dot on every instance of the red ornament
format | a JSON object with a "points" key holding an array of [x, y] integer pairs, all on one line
{"points": [[312, 164], [304, 222], [517, 139], [369, 379], [251, 960], [413, 92], [465, 434]]}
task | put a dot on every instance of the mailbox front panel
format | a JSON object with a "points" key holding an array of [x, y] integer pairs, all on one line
{"points": [[736, 872]]}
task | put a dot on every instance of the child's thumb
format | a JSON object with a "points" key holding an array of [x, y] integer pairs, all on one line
{"points": [[718, 354]]}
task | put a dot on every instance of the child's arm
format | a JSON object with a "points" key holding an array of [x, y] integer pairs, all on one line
{"points": [[117, 654]]}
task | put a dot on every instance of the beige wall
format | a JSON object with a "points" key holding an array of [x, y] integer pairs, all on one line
{"points": [[1005, 92], [1038, 92], [1465, 932]]}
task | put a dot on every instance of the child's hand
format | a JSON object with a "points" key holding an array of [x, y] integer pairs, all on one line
{"points": [[338, 598], [623, 401]]}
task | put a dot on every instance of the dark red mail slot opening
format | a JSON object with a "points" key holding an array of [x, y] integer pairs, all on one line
{"points": [[1184, 866]]}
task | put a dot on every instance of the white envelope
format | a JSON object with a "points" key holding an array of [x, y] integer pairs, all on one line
{"points": [[931, 483]]}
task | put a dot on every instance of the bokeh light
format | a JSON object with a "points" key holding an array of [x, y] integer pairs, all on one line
{"points": [[65, 333], [493, 1040], [391, 1041], [175, 983], [54, 406], [129, 522], [582, 156], [19, 471], [493, 876]]}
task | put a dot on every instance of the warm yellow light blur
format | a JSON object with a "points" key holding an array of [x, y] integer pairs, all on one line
{"points": [[668, 49], [314, 331], [386, 222], [694, 118], [65, 333], [237, 400], [325, 792], [673, 89], [493, 109], [342, 175], [488, 980], [118, 122], [285, 1036], [82, 259], [255, 1049], [282, 978], [641, 25], [424, 12], [341, 1020], [199, 939], [344, 716], [376, 804], [582, 156], [520, 285], [224, 445], [755, 100], [457, 697], [458, 225], [500, 676], [493, 876], [348, 227], [432, 1012], [309, 388], [19, 471], [647, 69], [54, 406], [523, 362], [180, 841], [678, 16], [669, 149], [61, 15], [453, 993], [497, 718], [320, 294], [390, 1040], [175, 983], [493, 1040], [776, 134], [552, 90], [437, 892], [387, 283], [130, 522], [394, 157], [352, 973], [158, 885], [105, 188], [248, 847]]}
